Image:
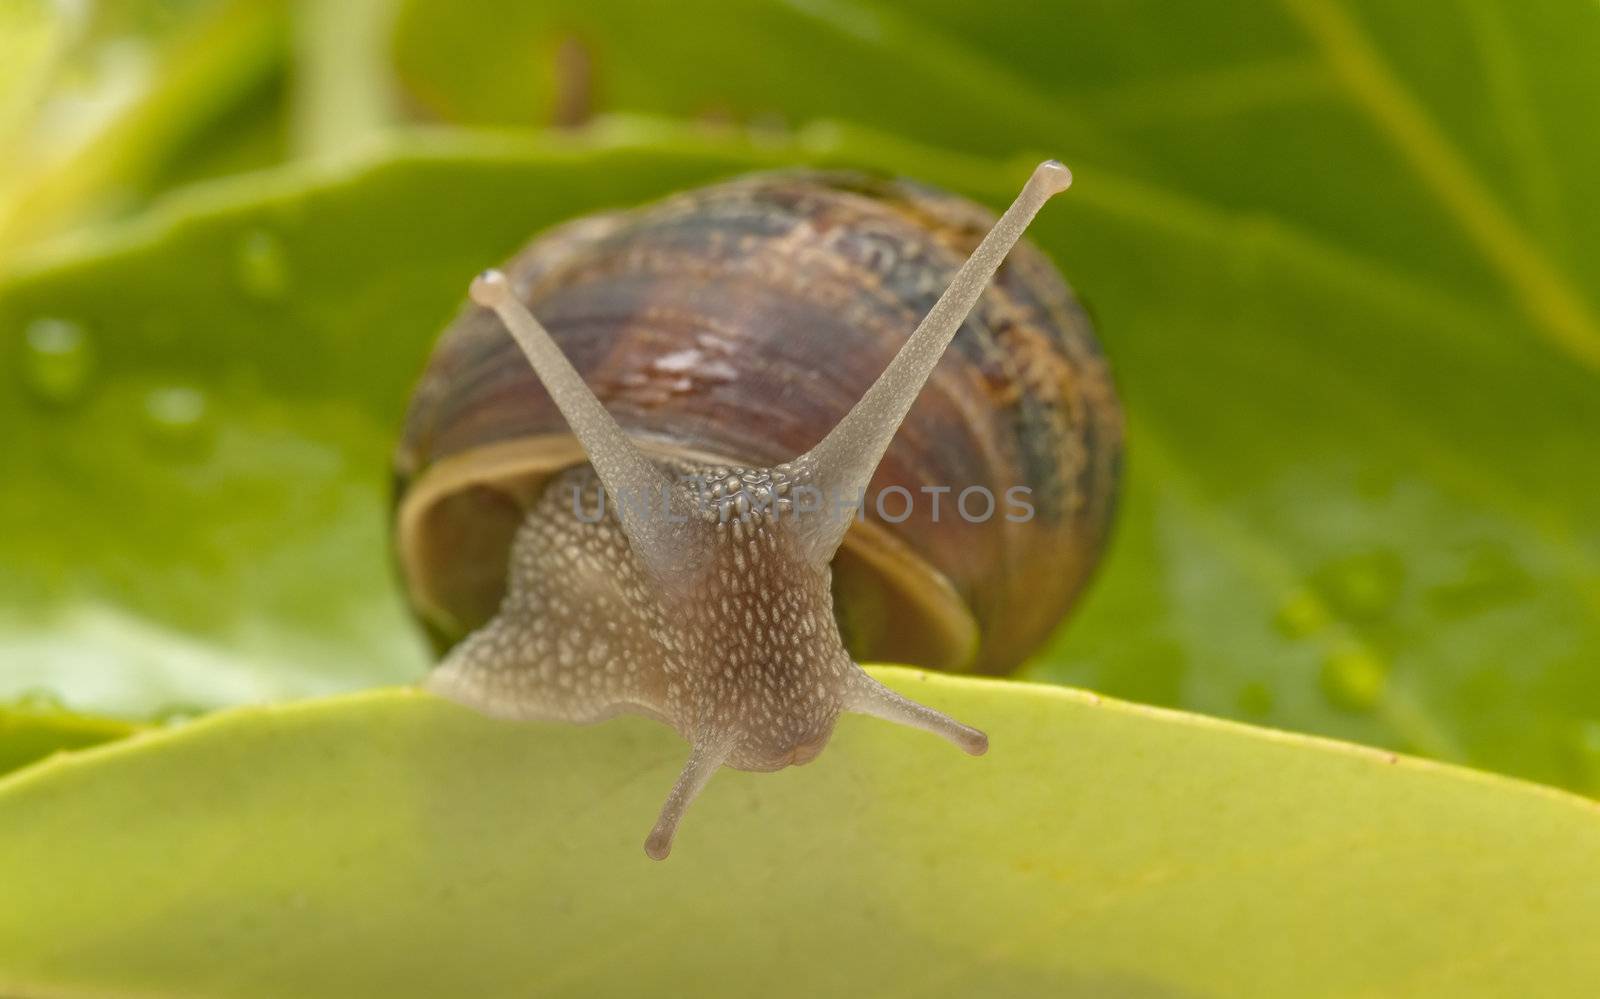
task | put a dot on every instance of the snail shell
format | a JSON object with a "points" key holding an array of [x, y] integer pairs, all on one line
{"points": [[736, 324]]}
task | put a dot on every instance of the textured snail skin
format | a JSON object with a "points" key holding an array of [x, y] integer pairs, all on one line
{"points": [[710, 610], [745, 660]]}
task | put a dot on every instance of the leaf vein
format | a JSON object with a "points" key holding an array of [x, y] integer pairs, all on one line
{"points": [[1541, 288]]}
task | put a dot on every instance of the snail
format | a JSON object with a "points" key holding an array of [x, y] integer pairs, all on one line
{"points": [[652, 499]]}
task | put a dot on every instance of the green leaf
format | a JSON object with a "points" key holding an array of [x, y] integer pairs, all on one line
{"points": [[1348, 283], [388, 843]]}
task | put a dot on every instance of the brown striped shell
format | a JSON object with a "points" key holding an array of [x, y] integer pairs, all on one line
{"points": [[738, 323]]}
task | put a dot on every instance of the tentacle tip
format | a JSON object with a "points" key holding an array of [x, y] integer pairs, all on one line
{"points": [[490, 289], [974, 742], [658, 844], [1052, 176]]}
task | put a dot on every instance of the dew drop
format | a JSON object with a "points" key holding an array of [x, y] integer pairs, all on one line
{"points": [[1487, 578], [175, 419], [1353, 679], [262, 265], [1364, 586], [1300, 615], [59, 361], [177, 714]]}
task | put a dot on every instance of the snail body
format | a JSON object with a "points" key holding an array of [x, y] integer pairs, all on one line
{"points": [[687, 571]]}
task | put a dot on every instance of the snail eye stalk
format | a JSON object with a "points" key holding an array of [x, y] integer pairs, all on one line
{"points": [[843, 463], [638, 486]]}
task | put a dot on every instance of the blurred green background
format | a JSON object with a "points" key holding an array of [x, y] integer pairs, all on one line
{"points": [[1344, 257]]}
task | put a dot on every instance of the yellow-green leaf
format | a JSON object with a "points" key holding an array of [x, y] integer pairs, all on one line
{"points": [[388, 843]]}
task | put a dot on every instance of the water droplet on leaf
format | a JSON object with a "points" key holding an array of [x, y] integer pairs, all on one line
{"points": [[1487, 577], [1300, 615], [262, 265], [175, 419], [59, 361], [1353, 679], [177, 714], [1364, 586]]}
